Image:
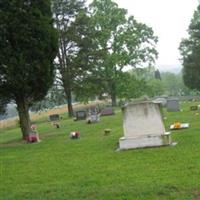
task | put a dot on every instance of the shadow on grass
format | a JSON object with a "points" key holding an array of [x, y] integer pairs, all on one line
{"points": [[196, 195], [13, 143], [19, 141]]}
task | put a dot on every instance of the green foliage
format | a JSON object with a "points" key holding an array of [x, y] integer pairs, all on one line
{"points": [[190, 51], [28, 44], [54, 97], [148, 84], [90, 168], [128, 86], [119, 41], [154, 88], [3, 104], [72, 23], [173, 84]]}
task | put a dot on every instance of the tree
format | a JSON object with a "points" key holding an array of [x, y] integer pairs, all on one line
{"points": [[120, 41], [173, 84], [154, 88], [157, 75], [54, 97], [129, 86], [190, 51], [28, 44], [71, 22]]}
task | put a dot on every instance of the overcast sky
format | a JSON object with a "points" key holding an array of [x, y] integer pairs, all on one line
{"points": [[169, 20]]}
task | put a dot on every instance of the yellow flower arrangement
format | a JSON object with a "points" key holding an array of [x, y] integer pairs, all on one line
{"points": [[177, 125]]}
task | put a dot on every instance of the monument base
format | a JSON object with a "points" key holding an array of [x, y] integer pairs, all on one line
{"points": [[147, 141]]}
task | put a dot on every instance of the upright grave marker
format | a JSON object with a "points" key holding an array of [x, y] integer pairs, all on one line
{"points": [[143, 126], [80, 115], [55, 118], [173, 105], [107, 111]]}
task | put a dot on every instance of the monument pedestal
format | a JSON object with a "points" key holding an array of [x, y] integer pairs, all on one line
{"points": [[145, 141]]}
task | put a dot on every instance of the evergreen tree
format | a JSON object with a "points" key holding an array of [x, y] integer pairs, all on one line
{"points": [[157, 74], [28, 44], [190, 51]]}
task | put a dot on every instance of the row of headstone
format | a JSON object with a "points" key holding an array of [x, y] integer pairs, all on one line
{"points": [[173, 105], [142, 122], [93, 113]]}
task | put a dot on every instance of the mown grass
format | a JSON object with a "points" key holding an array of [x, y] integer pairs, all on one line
{"points": [[91, 168]]}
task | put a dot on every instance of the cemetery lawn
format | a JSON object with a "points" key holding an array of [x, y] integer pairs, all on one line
{"points": [[91, 168]]}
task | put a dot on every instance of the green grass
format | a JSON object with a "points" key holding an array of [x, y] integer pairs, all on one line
{"points": [[91, 168]]}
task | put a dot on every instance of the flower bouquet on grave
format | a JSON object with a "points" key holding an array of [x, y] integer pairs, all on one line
{"points": [[75, 135], [33, 136], [178, 125]]}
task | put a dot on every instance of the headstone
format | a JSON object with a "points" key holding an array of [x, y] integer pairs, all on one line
{"points": [[93, 110], [143, 126], [161, 100], [107, 111], [192, 108], [81, 115], [54, 117], [93, 118], [55, 120], [173, 105]]}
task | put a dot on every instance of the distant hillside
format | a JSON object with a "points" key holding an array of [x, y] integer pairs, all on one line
{"points": [[170, 68], [11, 111]]}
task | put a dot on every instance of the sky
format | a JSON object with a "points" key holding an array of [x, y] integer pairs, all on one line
{"points": [[169, 19]]}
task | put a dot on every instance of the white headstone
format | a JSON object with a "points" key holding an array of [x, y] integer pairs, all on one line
{"points": [[143, 126]]}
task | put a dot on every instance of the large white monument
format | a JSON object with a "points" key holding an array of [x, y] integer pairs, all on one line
{"points": [[143, 126]]}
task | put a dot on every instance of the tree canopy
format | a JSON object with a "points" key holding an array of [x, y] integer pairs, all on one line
{"points": [[72, 23], [120, 41], [190, 51], [28, 44]]}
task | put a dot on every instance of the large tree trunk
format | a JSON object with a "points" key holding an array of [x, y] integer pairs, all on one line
{"points": [[113, 99], [69, 101], [113, 95], [24, 118]]}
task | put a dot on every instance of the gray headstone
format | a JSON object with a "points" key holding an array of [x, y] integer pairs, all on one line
{"points": [[107, 111], [81, 115], [54, 117], [173, 105], [93, 118]]}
